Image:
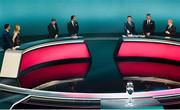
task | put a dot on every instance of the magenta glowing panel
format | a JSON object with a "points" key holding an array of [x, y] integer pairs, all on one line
{"points": [[150, 69], [152, 50], [53, 53], [51, 73]]}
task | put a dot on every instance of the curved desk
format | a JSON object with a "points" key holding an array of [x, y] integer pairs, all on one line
{"points": [[40, 63], [158, 58], [76, 52]]}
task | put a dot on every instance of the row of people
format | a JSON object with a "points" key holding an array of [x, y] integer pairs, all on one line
{"points": [[148, 27], [14, 41], [8, 41], [73, 29], [129, 27]]}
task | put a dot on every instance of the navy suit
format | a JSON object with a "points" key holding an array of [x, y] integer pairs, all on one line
{"points": [[149, 27], [171, 30], [73, 29], [130, 27], [53, 31], [7, 40]]}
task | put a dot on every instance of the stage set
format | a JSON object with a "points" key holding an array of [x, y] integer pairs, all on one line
{"points": [[90, 54], [92, 73]]}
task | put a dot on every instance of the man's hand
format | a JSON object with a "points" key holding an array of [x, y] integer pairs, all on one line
{"points": [[14, 48], [148, 34], [56, 36], [130, 35], [75, 37], [167, 32]]}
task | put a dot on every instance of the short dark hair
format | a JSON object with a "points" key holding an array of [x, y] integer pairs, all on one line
{"points": [[129, 16], [148, 14], [72, 17], [6, 26], [53, 19]]}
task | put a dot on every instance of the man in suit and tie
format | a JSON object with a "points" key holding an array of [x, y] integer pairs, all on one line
{"points": [[53, 29], [73, 27], [170, 30], [129, 26], [148, 25], [7, 39]]}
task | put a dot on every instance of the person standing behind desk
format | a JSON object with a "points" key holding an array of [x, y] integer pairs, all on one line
{"points": [[129, 27], [7, 40], [148, 26], [73, 27], [53, 29], [16, 36], [170, 30]]}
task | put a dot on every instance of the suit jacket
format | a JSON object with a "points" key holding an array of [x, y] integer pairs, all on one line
{"points": [[53, 31], [7, 40], [172, 31], [129, 27], [149, 28], [73, 29]]}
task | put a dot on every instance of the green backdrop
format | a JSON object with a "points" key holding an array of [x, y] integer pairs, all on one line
{"points": [[94, 16]]}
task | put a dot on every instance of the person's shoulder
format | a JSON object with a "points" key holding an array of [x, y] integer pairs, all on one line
{"points": [[125, 23], [69, 23], [144, 21], [4, 32], [49, 25], [174, 26]]}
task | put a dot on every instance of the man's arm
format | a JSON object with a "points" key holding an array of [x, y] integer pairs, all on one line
{"points": [[49, 30], [69, 28], [173, 31], [8, 41], [144, 27], [153, 27], [125, 28], [134, 28], [77, 28], [57, 29]]}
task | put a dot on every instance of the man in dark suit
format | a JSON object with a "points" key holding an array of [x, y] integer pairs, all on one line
{"points": [[53, 29], [148, 26], [170, 30], [129, 26], [7, 39], [73, 27]]}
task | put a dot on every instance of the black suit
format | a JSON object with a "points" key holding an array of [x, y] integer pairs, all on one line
{"points": [[130, 27], [149, 27], [171, 30], [73, 29], [53, 30], [7, 40]]}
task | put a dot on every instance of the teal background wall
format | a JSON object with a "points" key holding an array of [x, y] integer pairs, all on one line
{"points": [[94, 16]]}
